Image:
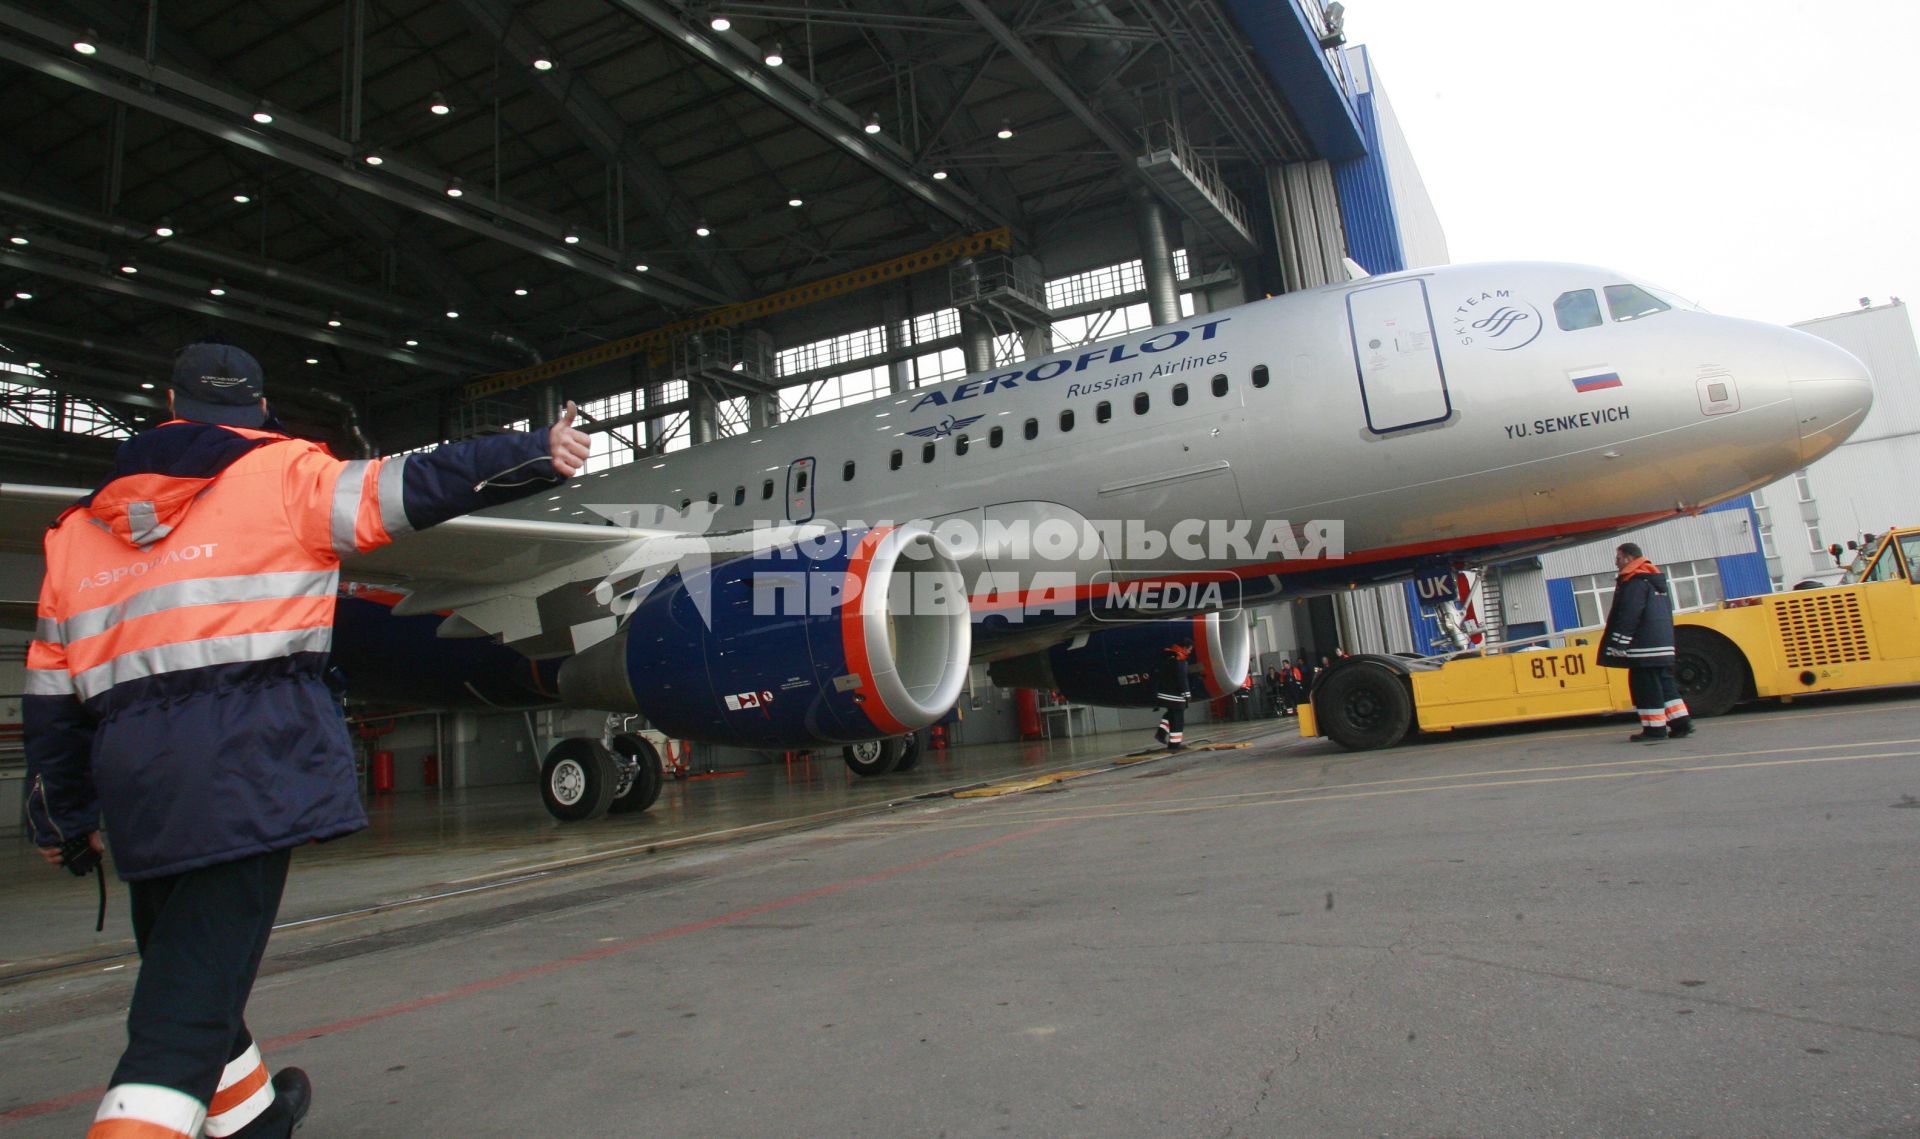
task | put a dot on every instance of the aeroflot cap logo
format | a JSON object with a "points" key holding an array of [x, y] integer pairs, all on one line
{"points": [[1496, 319]]}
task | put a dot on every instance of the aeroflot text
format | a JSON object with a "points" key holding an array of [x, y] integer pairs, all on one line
{"points": [[1112, 354], [1567, 422], [141, 569]]}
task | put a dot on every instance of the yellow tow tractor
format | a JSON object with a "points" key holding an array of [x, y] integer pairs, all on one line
{"points": [[1861, 633]]}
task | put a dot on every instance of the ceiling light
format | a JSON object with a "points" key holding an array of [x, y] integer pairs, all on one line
{"points": [[219, 289], [795, 202], [519, 292], [263, 114], [939, 175], [719, 23], [413, 344], [84, 45], [642, 267], [17, 239], [146, 387], [700, 229], [373, 159], [313, 359], [453, 189], [333, 321], [163, 229], [453, 314], [773, 56], [23, 296], [129, 269], [440, 106], [242, 199], [1005, 131], [873, 124], [571, 237], [542, 63]]}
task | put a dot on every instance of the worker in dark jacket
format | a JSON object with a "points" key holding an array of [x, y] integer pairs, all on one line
{"points": [[1639, 638], [176, 691], [1170, 690]]}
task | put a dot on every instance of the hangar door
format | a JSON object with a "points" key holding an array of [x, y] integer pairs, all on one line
{"points": [[1401, 381]]}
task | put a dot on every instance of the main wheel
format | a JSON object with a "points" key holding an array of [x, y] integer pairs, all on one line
{"points": [[909, 752], [576, 781], [1711, 673], [869, 758], [644, 791], [1364, 706]]}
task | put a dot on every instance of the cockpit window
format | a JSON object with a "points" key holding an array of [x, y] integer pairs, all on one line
{"points": [[1631, 302], [1577, 309]]}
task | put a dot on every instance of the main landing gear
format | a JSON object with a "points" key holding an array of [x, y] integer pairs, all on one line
{"points": [[878, 757], [618, 774]]}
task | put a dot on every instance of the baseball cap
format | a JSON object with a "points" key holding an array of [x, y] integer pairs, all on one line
{"points": [[218, 383]]}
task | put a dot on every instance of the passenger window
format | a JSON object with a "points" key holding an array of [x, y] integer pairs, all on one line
{"points": [[1631, 302], [1179, 395], [713, 498], [1140, 403], [961, 444], [1032, 430], [846, 471], [766, 489], [1220, 385], [1066, 420], [926, 452], [893, 464], [739, 495], [1576, 310], [995, 437], [685, 502], [1104, 412], [1259, 375]]}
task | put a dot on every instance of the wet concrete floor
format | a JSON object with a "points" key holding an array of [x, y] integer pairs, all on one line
{"points": [[1504, 933]]}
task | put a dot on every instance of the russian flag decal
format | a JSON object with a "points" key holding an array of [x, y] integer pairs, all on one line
{"points": [[1593, 379]]}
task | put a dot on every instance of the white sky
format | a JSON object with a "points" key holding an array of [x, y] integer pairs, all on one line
{"points": [[1759, 157]]}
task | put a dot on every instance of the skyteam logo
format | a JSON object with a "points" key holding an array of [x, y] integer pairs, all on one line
{"points": [[1495, 319], [946, 427]]}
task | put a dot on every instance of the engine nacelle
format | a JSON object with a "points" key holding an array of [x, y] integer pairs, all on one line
{"points": [[1114, 667], [858, 636]]}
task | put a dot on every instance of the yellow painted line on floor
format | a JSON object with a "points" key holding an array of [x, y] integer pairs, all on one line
{"points": [[1015, 786]]}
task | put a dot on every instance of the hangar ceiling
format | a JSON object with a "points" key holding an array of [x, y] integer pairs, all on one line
{"points": [[329, 181]]}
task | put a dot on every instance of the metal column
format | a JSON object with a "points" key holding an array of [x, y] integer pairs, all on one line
{"points": [[1156, 257]]}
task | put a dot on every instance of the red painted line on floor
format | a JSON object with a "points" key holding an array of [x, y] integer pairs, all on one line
{"points": [[45, 1107]]}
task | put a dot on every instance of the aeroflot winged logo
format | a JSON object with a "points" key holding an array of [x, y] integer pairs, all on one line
{"points": [[685, 549], [1144, 350], [945, 427]]}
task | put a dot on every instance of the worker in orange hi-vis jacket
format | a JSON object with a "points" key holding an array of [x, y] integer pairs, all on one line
{"points": [[176, 691]]}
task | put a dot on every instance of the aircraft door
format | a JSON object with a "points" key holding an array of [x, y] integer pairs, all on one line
{"points": [[800, 490], [1401, 381]]}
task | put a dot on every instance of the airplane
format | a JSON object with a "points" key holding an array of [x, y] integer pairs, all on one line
{"points": [[831, 580]]}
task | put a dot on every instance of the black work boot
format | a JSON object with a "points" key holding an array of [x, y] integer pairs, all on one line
{"points": [[1648, 736], [292, 1096], [1680, 728]]}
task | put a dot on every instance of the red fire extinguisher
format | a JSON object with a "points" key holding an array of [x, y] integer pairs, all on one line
{"points": [[1026, 704], [382, 771], [430, 770]]}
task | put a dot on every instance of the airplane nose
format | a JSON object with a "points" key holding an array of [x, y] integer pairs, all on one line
{"points": [[1832, 391]]}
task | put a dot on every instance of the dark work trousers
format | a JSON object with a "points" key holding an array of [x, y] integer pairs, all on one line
{"points": [[201, 935], [1175, 720], [1652, 687]]}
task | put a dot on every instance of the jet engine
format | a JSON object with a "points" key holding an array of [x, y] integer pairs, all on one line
{"points": [[855, 636], [1114, 667]]}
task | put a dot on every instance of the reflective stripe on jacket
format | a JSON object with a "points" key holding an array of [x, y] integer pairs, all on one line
{"points": [[184, 627], [1639, 632]]}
